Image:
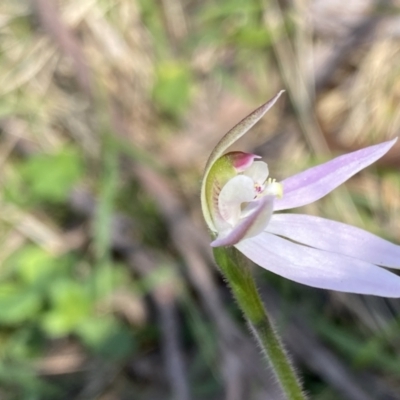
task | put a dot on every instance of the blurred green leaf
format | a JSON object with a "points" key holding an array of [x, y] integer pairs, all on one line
{"points": [[214, 12], [153, 20], [21, 344], [50, 177], [362, 353], [17, 304], [252, 37], [71, 304], [28, 386], [108, 187], [106, 278], [172, 90], [107, 337], [33, 263]]}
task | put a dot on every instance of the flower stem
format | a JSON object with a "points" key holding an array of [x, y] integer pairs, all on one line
{"points": [[239, 278]]}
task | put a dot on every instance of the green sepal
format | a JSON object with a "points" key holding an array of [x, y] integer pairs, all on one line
{"points": [[231, 137]]}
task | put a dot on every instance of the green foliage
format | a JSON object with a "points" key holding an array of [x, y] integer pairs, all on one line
{"points": [[70, 304], [33, 264], [106, 337], [50, 177], [17, 378], [217, 12], [41, 297], [42, 290], [173, 88], [361, 353], [241, 24], [44, 178], [22, 295], [17, 304], [252, 37], [108, 187]]}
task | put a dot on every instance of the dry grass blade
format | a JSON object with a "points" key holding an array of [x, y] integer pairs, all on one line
{"points": [[51, 21]]}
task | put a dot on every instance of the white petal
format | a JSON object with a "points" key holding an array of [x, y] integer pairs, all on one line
{"points": [[258, 171], [336, 237], [236, 191], [318, 268], [249, 226]]}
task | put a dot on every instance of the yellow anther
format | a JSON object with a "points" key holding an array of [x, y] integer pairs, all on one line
{"points": [[274, 187]]}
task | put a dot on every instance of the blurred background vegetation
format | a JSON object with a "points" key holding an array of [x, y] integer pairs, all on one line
{"points": [[108, 111]]}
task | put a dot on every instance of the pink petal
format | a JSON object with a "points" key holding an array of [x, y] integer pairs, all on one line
{"points": [[318, 268], [240, 160], [249, 226], [314, 183], [336, 237]]}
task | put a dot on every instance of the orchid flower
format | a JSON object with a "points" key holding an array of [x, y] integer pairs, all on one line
{"points": [[240, 202]]}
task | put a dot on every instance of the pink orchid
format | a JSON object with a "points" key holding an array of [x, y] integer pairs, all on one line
{"points": [[239, 201]]}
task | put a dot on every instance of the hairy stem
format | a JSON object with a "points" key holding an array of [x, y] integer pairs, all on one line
{"points": [[240, 280]]}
